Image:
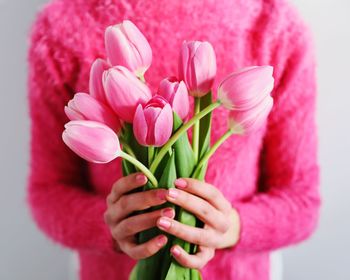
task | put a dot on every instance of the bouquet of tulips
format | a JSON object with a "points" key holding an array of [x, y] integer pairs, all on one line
{"points": [[122, 118]]}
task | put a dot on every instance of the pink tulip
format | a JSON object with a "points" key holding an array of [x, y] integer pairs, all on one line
{"points": [[244, 89], [246, 121], [93, 141], [153, 124], [128, 47], [197, 67], [176, 94], [95, 83], [124, 92], [85, 107]]}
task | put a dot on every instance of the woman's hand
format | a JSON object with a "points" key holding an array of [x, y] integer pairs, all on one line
{"points": [[221, 229], [124, 227]]}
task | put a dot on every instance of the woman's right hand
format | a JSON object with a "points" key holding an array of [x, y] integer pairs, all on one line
{"points": [[124, 226]]}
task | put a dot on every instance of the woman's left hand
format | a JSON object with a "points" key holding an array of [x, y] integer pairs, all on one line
{"points": [[207, 203]]}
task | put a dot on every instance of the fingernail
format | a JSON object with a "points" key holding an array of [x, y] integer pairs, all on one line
{"points": [[180, 183], [140, 178], [164, 223], [173, 193], [167, 212], [161, 194], [161, 240], [175, 251]]}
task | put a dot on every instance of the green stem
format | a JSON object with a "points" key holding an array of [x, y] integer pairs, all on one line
{"points": [[128, 149], [179, 132], [195, 134], [141, 167], [150, 154], [213, 149]]}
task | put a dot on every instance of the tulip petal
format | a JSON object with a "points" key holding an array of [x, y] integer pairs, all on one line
{"points": [[243, 122], [205, 67], [163, 126], [167, 88], [180, 102], [151, 115], [95, 82], [94, 110], [140, 43], [72, 114], [140, 127]]}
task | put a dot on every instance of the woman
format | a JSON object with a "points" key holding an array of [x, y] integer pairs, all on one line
{"points": [[261, 191]]}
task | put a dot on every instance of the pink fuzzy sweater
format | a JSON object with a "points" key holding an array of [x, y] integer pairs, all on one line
{"points": [[271, 177]]}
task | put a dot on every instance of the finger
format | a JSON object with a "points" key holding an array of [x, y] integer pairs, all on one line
{"points": [[199, 236], [199, 207], [204, 190], [197, 261], [146, 249], [135, 202], [138, 223], [124, 185]]}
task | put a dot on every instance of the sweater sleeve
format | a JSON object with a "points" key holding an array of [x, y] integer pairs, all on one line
{"points": [[58, 193], [287, 209]]}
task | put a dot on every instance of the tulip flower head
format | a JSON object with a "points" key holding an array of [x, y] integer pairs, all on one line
{"points": [[93, 141], [176, 94], [153, 123], [84, 107], [124, 92], [244, 89], [247, 121], [95, 82], [128, 47], [197, 67]]}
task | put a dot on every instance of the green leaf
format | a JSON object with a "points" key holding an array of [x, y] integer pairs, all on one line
{"points": [[156, 266], [139, 150], [178, 272], [205, 126], [134, 273], [184, 158], [195, 274], [127, 168]]}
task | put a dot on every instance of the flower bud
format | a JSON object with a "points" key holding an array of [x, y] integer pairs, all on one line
{"points": [[244, 89], [197, 67], [176, 94], [124, 92], [93, 141], [84, 107], [128, 47], [153, 124]]}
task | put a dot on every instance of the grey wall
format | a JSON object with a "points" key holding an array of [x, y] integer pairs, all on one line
{"points": [[326, 255], [26, 254]]}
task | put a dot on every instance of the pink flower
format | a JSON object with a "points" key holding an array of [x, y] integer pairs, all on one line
{"points": [[246, 121], [176, 94], [93, 141], [153, 124], [197, 67], [244, 89], [95, 82], [85, 107], [124, 92], [128, 47]]}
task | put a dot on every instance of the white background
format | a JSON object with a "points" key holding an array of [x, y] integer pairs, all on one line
{"points": [[26, 254]]}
